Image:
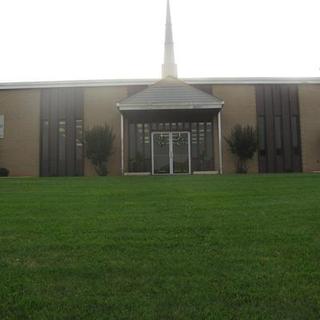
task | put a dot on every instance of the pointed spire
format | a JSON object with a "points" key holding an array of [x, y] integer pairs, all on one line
{"points": [[169, 68]]}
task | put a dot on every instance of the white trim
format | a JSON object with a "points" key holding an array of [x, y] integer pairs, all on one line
{"points": [[122, 144], [199, 173], [171, 153], [132, 82], [189, 137], [128, 174], [220, 143], [254, 80], [175, 106]]}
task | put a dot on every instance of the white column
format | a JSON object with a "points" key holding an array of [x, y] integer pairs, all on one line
{"points": [[122, 145], [220, 142]]}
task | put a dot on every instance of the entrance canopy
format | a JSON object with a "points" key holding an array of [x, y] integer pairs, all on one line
{"points": [[170, 105], [170, 94]]}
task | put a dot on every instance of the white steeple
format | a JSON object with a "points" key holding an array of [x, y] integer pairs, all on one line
{"points": [[169, 67]]}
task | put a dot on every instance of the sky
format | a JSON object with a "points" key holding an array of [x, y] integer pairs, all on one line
{"points": [[45, 40]]}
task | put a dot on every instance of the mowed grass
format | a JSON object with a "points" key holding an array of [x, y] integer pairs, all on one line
{"points": [[229, 247]]}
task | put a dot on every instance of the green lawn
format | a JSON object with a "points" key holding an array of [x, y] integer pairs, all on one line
{"points": [[230, 247]]}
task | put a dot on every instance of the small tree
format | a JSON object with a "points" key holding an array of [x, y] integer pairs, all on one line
{"points": [[99, 147], [243, 143]]}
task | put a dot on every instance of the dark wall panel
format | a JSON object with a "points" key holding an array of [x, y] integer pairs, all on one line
{"points": [[278, 128], [61, 121]]}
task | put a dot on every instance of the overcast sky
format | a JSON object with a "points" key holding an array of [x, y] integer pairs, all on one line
{"points": [[112, 39]]}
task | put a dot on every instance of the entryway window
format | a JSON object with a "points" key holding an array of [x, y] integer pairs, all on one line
{"points": [[201, 144], [171, 153]]}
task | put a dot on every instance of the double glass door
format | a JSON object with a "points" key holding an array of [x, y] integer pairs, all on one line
{"points": [[171, 153]]}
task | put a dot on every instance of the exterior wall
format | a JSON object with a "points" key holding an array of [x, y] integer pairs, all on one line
{"points": [[239, 108], [100, 108], [19, 150], [309, 96]]}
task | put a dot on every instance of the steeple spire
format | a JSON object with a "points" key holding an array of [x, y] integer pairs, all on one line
{"points": [[169, 68]]}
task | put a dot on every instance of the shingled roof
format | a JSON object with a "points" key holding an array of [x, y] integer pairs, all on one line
{"points": [[171, 93]]}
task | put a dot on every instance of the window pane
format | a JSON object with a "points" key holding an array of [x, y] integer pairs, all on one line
{"points": [[147, 146], [79, 139], [209, 144], [132, 140], [201, 137], [45, 140], [140, 138], [194, 142], [62, 140], [146, 133], [139, 156], [261, 132]]}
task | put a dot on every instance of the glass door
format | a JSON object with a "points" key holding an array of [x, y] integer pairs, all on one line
{"points": [[171, 153], [180, 152], [160, 153]]}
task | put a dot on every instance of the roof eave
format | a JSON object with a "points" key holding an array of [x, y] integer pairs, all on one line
{"points": [[133, 82], [146, 107]]}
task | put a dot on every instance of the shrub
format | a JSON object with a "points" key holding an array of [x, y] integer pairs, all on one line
{"points": [[99, 147], [243, 143], [4, 172]]}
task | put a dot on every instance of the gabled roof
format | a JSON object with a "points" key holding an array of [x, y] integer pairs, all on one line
{"points": [[171, 93]]}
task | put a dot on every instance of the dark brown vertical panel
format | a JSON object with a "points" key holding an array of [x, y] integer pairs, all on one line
{"points": [[262, 144], [261, 126], [287, 149], [62, 107], [44, 143], [294, 101], [278, 110], [260, 100], [295, 129], [269, 127], [263, 164], [62, 104], [79, 164], [278, 128], [70, 118], [44, 111], [276, 100], [78, 93], [53, 132]]}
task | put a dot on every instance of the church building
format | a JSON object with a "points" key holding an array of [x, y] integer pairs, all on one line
{"points": [[162, 127]]}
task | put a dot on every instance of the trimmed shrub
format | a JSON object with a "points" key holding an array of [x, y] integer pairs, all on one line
{"points": [[99, 147], [243, 143], [4, 172]]}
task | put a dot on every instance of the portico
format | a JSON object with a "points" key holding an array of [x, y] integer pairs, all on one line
{"points": [[171, 128]]}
